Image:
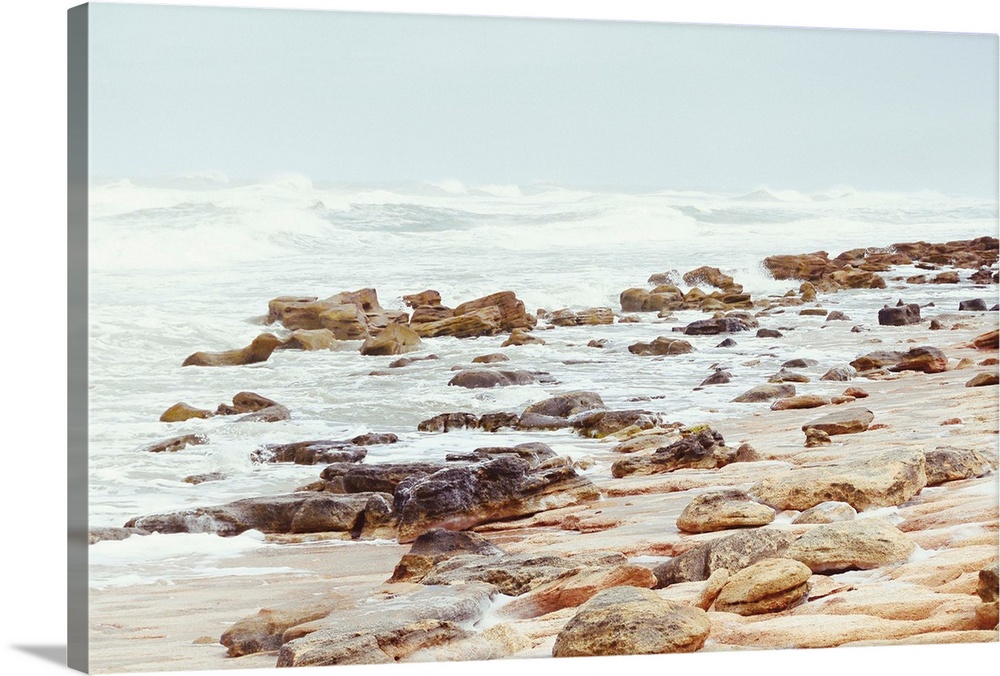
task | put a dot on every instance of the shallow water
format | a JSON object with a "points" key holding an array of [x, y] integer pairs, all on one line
{"points": [[174, 271]]}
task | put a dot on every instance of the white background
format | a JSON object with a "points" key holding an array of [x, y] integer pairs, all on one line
{"points": [[33, 227]]}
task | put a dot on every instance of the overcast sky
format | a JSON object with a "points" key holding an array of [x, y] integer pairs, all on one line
{"points": [[372, 97]]}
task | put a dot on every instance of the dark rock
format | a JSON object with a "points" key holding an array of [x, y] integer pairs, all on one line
{"points": [[837, 315], [196, 479], [474, 378], [491, 358], [720, 377], [491, 422], [534, 453], [708, 327], [445, 422], [704, 449], [769, 333], [599, 424], [435, 546], [728, 342], [375, 478], [310, 452], [899, 315], [567, 405], [977, 305], [175, 444], [799, 363], [732, 552]]}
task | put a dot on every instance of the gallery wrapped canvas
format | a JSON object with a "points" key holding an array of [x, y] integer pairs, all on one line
{"points": [[405, 338]]}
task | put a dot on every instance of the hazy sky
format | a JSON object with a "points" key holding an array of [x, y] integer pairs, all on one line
{"points": [[370, 97]]}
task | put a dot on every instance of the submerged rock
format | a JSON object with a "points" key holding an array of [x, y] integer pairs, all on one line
{"points": [[901, 315], [175, 444], [310, 452], [662, 345], [257, 351]]}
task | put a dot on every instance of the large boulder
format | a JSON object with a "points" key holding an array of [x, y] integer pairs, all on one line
{"points": [[507, 487], [768, 586], [723, 509], [257, 351], [857, 544], [900, 315], [731, 552], [632, 621], [704, 449], [662, 345], [393, 339], [711, 276], [483, 322], [987, 341], [948, 463], [884, 480]]}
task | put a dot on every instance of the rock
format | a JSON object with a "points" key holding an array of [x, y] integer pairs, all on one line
{"points": [[406, 361], [857, 544], [512, 313], [816, 438], [181, 412], [720, 377], [827, 512], [598, 343], [947, 463], [808, 292], [936, 325], [883, 480], [713, 585], [769, 333], [843, 421], [310, 452], [983, 379], [484, 322], [710, 327], [857, 279], [463, 497], [989, 586], [257, 351], [722, 509], [344, 315], [263, 631], [799, 363], [731, 552], [384, 477], [175, 444], [899, 315], [445, 422], [572, 590], [476, 379], [435, 546], [987, 341], [425, 314], [491, 422], [708, 275], [491, 358], [766, 393], [924, 359], [631, 621], [800, 401], [837, 316], [949, 277], [809, 267], [196, 479], [839, 373], [728, 342], [662, 346], [393, 339], [599, 424], [813, 311], [768, 586], [276, 306], [976, 305], [521, 337], [246, 402], [511, 574], [856, 392], [704, 449], [567, 405], [309, 340], [590, 317], [534, 453], [429, 297], [746, 453], [785, 376], [304, 512], [273, 413]]}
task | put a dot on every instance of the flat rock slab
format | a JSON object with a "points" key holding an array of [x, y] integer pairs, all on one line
{"points": [[768, 586], [884, 480], [859, 544], [632, 621], [844, 421]]}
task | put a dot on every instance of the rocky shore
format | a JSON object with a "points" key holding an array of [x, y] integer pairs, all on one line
{"points": [[872, 520]]}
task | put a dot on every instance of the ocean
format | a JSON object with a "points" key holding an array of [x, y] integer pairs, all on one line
{"points": [[185, 265]]}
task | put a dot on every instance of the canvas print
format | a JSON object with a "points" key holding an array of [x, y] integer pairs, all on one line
{"points": [[419, 338]]}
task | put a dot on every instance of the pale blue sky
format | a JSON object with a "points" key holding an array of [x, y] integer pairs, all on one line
{"points": [[375, 97]]}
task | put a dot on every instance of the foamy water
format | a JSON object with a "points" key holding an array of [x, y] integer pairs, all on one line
{"points": [[186, 266]]}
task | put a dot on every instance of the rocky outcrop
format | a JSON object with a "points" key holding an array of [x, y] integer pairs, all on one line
{"points": [[768, 586], [590, 317], [723, 509], [257, 351], [377, 477], [462, 497], [599, 424], [632, 621], [884, 480], [349, 315], [445, 422], [555, 412], [309, 340], [510, 309], [310, 452], [925, 359], [857, 544], [484, 322], [663, 345], [704, 449]]}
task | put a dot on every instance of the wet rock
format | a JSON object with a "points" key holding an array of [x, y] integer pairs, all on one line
{"points": [[843, 421], [728, 342], [303, 512], [936, 325], [491, 422], [784, 376], [263, 631], [406, 361], [577, 588], [463, 497], [856, 279], [112, 534], [987, 341], [521, 337], [484, 322], [393, 339], [425, 314], [344, 314], [901, 315], [257, 351], [976, 305], [949, 277], [769, 333], [309, 340], [857, 544], [856, 392], [709, 275], [175, 444], [766, 393], [511, 574], [512, 313], [445, 422], [181, 412], [827, 512], [704, 449], [720, 377], [983, 379], [799, 402], [948, 463], [813, 311], [599, 424], [719, 510], [477, 379], [429, 297], [768, 586], [375, 478], [492, 358], [196, 479], [632, 621], [662, 345], [567, 405], [437, 545], [837, 316], [710, 327], [310, 452], [731, 552], [598, 343], [884, 480], [799, 363], [534, 453]]}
